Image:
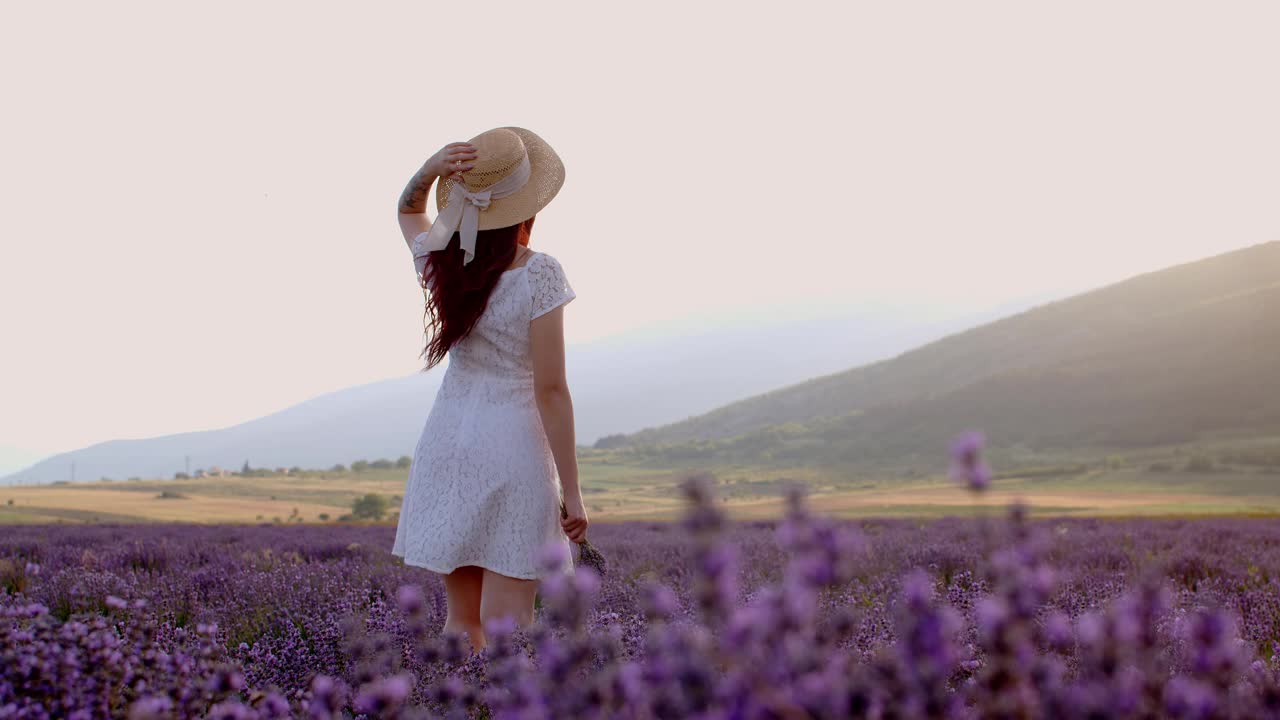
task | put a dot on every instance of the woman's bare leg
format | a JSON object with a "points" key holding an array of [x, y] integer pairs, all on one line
{"points": [[463, 590], [507, 596]]}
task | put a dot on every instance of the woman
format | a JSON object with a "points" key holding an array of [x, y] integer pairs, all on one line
{"points": [[496, 456]]}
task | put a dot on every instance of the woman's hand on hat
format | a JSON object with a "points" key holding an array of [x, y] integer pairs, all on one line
{"points": [[451, 160]]}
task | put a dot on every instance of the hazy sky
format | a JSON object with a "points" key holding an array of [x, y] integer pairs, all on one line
{"points": [[198, 217]]}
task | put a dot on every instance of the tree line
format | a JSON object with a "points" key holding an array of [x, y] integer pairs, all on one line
{"points": [[246, 470]]}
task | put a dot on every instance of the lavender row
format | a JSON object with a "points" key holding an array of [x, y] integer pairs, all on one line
{"points": [[805, 617]]}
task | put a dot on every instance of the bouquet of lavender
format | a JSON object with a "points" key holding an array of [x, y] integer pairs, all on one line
{"points": [[587, 553]]}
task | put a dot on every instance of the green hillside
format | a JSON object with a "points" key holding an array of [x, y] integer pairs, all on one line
{"points": [[1185, 354]]}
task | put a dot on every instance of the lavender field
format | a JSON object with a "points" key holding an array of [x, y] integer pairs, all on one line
{"points": [[999, 616]]}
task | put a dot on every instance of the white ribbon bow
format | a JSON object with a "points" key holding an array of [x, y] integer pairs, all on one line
{"points": [[462, 214]]}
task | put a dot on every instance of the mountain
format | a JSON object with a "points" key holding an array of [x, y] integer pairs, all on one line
{"points": [[619, 384], [1173, 356], [336, 427]]}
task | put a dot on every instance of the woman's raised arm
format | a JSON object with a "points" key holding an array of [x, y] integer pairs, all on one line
{"points": [[450, 161]]}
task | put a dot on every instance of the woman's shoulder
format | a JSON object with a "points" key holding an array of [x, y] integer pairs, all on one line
{"points": [[540, 261], [549, 286], [535, 257]]}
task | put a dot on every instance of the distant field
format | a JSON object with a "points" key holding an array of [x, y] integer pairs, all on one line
{"points": [[621, 492], [210, 500], [1098, 493]]}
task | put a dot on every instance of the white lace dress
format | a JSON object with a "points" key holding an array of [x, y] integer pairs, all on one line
{"points": [[483, 487]]}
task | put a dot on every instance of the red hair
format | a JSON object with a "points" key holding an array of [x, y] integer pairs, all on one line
{"points": [[456, 294]]}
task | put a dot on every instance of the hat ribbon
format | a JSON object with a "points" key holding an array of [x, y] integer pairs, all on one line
{"points": [[462, 214]]}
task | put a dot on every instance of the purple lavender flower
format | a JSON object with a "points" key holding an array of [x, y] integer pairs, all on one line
{"points": [[384, 696], [552, 558], [225, 680], [230, 710], [967, 465], [328, 697], [410, 599], [658, 602], [151, 707]]}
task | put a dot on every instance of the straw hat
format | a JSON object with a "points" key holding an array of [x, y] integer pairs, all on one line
{"points": [[499, 152]]}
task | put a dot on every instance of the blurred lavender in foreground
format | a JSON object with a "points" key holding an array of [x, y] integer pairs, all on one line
{"points": [[967, 465], [806, 617]]}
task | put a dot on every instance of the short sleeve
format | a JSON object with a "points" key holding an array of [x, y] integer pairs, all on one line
{"points": [[548, 285], [420, 256]]}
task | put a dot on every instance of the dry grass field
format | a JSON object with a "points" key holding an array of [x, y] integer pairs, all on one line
{"points": [[208, 500], [618, 492]]}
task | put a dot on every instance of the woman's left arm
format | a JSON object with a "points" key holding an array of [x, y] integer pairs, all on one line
{"points": [[555, 409], [450, 161]]}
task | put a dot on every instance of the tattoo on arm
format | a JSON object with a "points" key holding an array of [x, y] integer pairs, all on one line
{"points": [[414, 197]]}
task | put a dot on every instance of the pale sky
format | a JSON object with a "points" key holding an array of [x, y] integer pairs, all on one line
{"points": [[198, 219]]}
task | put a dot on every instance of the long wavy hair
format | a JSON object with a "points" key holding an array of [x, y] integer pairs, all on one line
{"points": [[456, 294]]}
